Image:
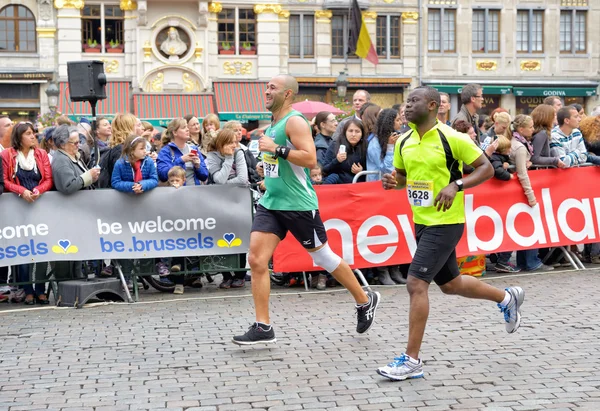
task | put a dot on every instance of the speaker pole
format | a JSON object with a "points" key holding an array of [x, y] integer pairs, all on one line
{"points": [[93, 103]]}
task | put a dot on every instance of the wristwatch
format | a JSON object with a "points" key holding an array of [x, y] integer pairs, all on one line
{"points": [[459, 184]]}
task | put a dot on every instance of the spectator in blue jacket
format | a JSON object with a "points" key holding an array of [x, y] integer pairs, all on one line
{"points": [[135, 171], [177, 152], [380, 150]]}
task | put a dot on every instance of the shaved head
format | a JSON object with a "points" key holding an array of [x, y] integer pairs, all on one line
{"points": [[280, 92], [288, 82]]}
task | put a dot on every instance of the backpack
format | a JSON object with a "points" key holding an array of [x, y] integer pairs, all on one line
{"points": [[107, 164], [451, 162]]}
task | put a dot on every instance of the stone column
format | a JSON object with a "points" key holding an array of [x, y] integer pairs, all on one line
{"points": [[201, 46], [212, 51], [409, 40], [269, 39], [69, 33], [131, 49], [46, 34], [323, 42]]}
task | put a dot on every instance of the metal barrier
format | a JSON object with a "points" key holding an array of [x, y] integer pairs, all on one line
{"points": [[362, 173], [209, 265], [570, 256]]}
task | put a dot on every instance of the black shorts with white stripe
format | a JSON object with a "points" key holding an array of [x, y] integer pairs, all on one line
{"points": [[305, 226]]}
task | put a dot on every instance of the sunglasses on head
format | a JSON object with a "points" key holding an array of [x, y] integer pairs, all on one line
{"points": [[29, 123]]}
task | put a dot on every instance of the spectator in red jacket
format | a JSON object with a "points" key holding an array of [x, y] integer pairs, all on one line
{"points": [[27, 172]]}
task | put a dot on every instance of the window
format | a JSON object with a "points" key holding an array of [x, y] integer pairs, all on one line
{"points": [[339, 36], [388, 37], [486, 26], [17, 29], [441, 30], [237, 31], [572, 31], [530, 31], [102, 27], [302, 35]]}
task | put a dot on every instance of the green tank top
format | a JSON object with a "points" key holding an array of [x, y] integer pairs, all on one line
{"points": [[288, 185]]}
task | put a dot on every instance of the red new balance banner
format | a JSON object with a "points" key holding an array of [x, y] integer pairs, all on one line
{"points": [[369, 226]]}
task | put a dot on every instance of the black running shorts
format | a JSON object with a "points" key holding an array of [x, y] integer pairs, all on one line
{"points": [[435, 258], [305, 226]]}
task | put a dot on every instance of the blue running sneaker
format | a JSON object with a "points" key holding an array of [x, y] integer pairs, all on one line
{"points": [[512, 311], [402, 368]]}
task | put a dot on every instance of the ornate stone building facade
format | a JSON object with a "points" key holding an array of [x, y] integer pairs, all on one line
{"points": [[171, 58], [521, 51]]}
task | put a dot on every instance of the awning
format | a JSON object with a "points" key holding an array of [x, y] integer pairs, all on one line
{"points": [[457, 89], [555, 91], [117, 101], [242, 101], [160, 109]]}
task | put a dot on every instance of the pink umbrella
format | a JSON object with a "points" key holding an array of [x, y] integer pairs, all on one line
{"points": [[312, 108]]}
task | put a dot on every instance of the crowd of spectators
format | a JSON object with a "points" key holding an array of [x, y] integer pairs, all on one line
{"points": [[130, 156], [551, 136]]}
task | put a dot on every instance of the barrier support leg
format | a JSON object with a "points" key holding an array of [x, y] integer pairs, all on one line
{"points": [[565, 254], [363, 280], [123, 282], [305, 280], [136, 294], [577, 260], [569, 257]]}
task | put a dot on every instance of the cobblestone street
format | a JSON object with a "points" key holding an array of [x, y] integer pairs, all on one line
{"points": [[173, 354]]}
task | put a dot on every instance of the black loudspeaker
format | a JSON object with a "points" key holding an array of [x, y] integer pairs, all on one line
{"points": [[87, 80]]}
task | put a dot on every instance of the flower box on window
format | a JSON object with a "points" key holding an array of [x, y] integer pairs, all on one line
{"points": [[114, 47], [91, 46], [247, 49], [225, 48]]}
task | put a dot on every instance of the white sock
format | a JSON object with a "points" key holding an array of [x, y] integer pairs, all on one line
{"points": [[264, 326], [506, 300], [412, 359], [362, 305]]}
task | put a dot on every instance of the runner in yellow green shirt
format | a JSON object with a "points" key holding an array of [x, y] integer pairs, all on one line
{"points": [[428, 160]]}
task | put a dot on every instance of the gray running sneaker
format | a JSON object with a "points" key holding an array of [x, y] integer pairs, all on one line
{"points": [[402, 368], [256, 334], [512, 311]]}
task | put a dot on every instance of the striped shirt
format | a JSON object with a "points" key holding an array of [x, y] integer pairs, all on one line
{"points": [[569, 148]]}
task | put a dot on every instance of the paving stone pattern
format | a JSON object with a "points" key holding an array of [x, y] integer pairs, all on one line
{"points": [[177, 355]]}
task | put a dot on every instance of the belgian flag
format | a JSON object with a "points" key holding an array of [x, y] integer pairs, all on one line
{"points": [[360, 42]]}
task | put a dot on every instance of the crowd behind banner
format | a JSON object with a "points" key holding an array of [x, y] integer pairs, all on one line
{"points": [[130, 156]]}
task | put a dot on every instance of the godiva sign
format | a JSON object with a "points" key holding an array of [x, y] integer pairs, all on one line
{"points": [[555, 91]]}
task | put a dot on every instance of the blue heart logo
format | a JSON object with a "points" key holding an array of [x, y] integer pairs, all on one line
{"points": [[229, 237], [64, 244]]}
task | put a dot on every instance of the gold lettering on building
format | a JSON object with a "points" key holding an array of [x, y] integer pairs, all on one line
{"points": [[486, 65], [531, 65]]}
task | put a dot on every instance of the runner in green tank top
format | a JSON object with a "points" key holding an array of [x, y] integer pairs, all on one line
{"points": [[290, 204], [288, 185]]}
